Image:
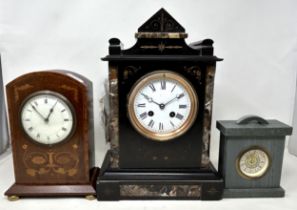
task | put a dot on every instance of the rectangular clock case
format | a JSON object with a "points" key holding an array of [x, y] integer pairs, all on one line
{"points": [[135, 167], [248, 133]]}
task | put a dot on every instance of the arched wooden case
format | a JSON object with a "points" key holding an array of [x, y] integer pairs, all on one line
{"points": [[63, 169]]}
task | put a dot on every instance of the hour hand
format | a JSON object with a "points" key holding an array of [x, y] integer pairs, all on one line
{"points": [[176, 97], [146, 97], [171, 100], [50, 112]]}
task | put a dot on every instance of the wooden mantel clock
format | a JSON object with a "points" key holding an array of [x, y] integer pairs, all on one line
{"points": [[161, 93], [51, 127]]}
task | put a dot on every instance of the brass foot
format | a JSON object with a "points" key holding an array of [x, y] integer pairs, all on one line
{"points": [[13, 198], [90, 197]]}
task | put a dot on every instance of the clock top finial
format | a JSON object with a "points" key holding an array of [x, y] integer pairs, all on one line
{"points": [[162, 38], [161, 25]]}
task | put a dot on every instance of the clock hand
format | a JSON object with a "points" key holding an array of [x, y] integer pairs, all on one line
{"points": [[171, 101], [180, 95], [149, 99], [34, 108], [145, 96], [50, 112], [176, 97]]}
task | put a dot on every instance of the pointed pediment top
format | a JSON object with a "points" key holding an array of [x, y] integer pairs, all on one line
{"points": [[162, 38], [161, 23]]}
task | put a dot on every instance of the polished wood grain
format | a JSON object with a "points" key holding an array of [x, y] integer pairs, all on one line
{"points": [[58, 169]]}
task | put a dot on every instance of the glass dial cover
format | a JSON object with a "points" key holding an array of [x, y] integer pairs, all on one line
{"points": [[47, 117], [162, 105], [253, 163]]}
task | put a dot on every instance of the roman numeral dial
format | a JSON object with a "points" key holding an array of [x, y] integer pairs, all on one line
{"points": [[47, 117], [162, 105]]}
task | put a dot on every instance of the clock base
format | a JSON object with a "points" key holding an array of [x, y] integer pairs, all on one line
{"points": [[153, 184], [69, 190], [253, 193]]}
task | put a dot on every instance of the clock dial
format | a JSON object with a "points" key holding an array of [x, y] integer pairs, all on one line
{"points": [[162, 105], [253, 163], [47, 117]]}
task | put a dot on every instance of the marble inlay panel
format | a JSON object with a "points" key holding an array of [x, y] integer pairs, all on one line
{"points": [[209, 86], [160, 190], [112, 121]]}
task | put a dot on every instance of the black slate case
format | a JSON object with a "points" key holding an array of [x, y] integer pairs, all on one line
{"points": [[136, 167]]}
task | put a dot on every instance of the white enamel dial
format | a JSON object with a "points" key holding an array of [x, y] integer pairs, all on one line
{"points": [[163, 105], [253, 163], [47, 117]]}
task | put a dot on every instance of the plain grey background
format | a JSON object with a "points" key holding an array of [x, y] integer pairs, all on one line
{"points": [[3, 120], [293, 138], [257, 39]]}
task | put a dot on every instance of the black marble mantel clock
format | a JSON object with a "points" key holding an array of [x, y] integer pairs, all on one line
{"points": [[160, 99]]}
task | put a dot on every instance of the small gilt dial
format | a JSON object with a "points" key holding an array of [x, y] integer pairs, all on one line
{"points": [[253, 163], [47, 117], [162, 105]]}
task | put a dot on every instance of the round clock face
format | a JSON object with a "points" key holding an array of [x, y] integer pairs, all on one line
{"points": [[162, 105], [47, 117], [253, 163]]}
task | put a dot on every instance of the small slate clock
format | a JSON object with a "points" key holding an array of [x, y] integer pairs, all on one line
{"points": [[51, 127], [251, 156]]}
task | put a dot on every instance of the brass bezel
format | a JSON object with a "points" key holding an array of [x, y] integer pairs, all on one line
{"points": [[144, 81], [62, 98], [257, 175]]}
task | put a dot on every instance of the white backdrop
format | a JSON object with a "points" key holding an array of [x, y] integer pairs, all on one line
{"points": [[257, 39]]}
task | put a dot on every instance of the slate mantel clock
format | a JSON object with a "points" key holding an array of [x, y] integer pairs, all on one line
{"points": [[51, 127], [160, 97], [251, 156]]}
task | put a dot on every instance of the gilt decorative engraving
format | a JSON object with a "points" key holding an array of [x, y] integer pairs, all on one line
{"points": [[38, 160], [161, 47], [194, 71], [73, 90], [62, 163], [130, 71], [162, 21], [19, 89]]}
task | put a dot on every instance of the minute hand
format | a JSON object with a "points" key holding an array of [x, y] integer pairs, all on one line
{"points": [[149, 99], [34, 108]]}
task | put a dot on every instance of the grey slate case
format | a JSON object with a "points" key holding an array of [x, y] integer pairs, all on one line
{"points": [[252, 132]]}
